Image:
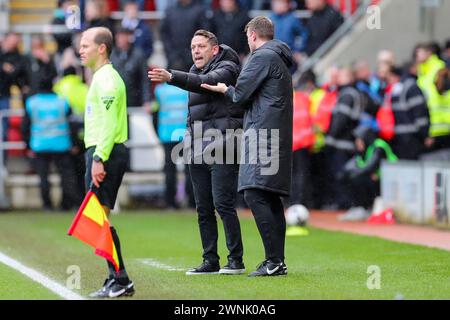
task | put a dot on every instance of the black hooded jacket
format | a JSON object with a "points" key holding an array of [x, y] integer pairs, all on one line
{"points": [[265, 88], [213, 109]]}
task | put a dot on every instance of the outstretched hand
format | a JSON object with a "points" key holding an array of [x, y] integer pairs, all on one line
{"points": [[220, 87], [159, 75]]}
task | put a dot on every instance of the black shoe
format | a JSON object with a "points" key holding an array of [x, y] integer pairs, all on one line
{"points": [[112, 289], [268, 268], [103, 292], [119, 290], [233, 267], [205, 268]]}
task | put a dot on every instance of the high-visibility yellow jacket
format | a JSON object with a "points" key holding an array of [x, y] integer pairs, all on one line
{"points": [[438, 105]]}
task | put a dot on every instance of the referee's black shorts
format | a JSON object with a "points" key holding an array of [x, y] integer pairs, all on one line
{"points": [[115, 168]]}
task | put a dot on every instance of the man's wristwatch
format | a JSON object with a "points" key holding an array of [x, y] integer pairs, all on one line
{"points": [[97, 159]]}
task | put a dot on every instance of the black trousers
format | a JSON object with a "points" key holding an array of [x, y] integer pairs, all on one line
{"points": [[71, 194], [268, 211], [340, 192], [215, 188], [302, 189], [170, 174], [364, 191]]}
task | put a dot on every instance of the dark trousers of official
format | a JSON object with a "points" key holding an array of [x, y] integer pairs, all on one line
{"points": [[301, 179], [215, 188], [320, 183], [170, 173], [268, 211], [336, 160], [364, 191], [71, 197], [407, 147]]}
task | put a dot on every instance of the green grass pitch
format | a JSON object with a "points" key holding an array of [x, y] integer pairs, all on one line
{"points": [[324, 265]]}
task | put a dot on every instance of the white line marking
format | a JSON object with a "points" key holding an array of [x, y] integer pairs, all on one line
{"points": [[159, 265], [38, 277]]}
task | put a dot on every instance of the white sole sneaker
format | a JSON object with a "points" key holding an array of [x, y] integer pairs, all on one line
{"points": [[193, 273], [231, 271]]}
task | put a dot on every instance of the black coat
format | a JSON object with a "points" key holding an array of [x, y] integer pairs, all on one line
{"points": [[345, 118], [18, 76], [229, 29], [177, 29], [214, 110], [132, 67], [321, 26], [265, 85]]}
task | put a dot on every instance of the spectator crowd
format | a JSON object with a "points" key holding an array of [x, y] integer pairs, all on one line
{"points": [[345, 123]]}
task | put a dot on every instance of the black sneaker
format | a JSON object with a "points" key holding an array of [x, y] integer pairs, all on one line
{"points": [[268, 268], [112, 289], [233, 267], [103, 292], [205, 268], [119, 290]]}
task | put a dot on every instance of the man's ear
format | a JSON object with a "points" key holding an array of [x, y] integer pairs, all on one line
{"points": [[102, 48], [216, 49]]}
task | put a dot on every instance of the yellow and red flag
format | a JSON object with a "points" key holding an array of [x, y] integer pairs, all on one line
{"points": [[91, 226]]}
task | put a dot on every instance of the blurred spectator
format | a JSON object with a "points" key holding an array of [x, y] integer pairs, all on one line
{"points": [[72, 88], [63, 40], [443, 80], [40, 64], [322, 101], [411, 116], [289, 28], [371, 100], [325, 20], [162, 5], [131, 64], [303, 141], [143, 37], [172, 104], [177, 28], [362, 172], [339, 140], [228, 24], [446, 53], [140, 4], [12, 72], [47, 134], [428, 68], [378, 83], [97, 15], [364, 79]]}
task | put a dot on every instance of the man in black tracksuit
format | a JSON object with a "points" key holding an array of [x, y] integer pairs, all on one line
{"points": [[265, 87], [214, 182], [339, 141], [412, 119]]}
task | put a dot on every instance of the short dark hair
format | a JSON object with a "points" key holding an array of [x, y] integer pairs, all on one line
{"points": [[104, 36], [397, 71], [262, 26], [212, 39]]}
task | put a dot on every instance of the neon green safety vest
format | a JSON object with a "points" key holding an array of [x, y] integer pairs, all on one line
{"points": [[74, 90], [316, 97], [438, 105], [378, 143]]}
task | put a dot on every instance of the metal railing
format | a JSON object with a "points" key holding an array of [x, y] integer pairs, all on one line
{"points": [[21, 145]]}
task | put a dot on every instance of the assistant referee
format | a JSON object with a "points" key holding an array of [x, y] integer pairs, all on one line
{"points": [[106, 131]]}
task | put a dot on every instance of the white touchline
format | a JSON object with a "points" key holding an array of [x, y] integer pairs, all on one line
{"points": [[159, 265], [38, 277]]}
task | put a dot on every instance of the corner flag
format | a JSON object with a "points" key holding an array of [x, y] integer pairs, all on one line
{"points": [[91, 226]]}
